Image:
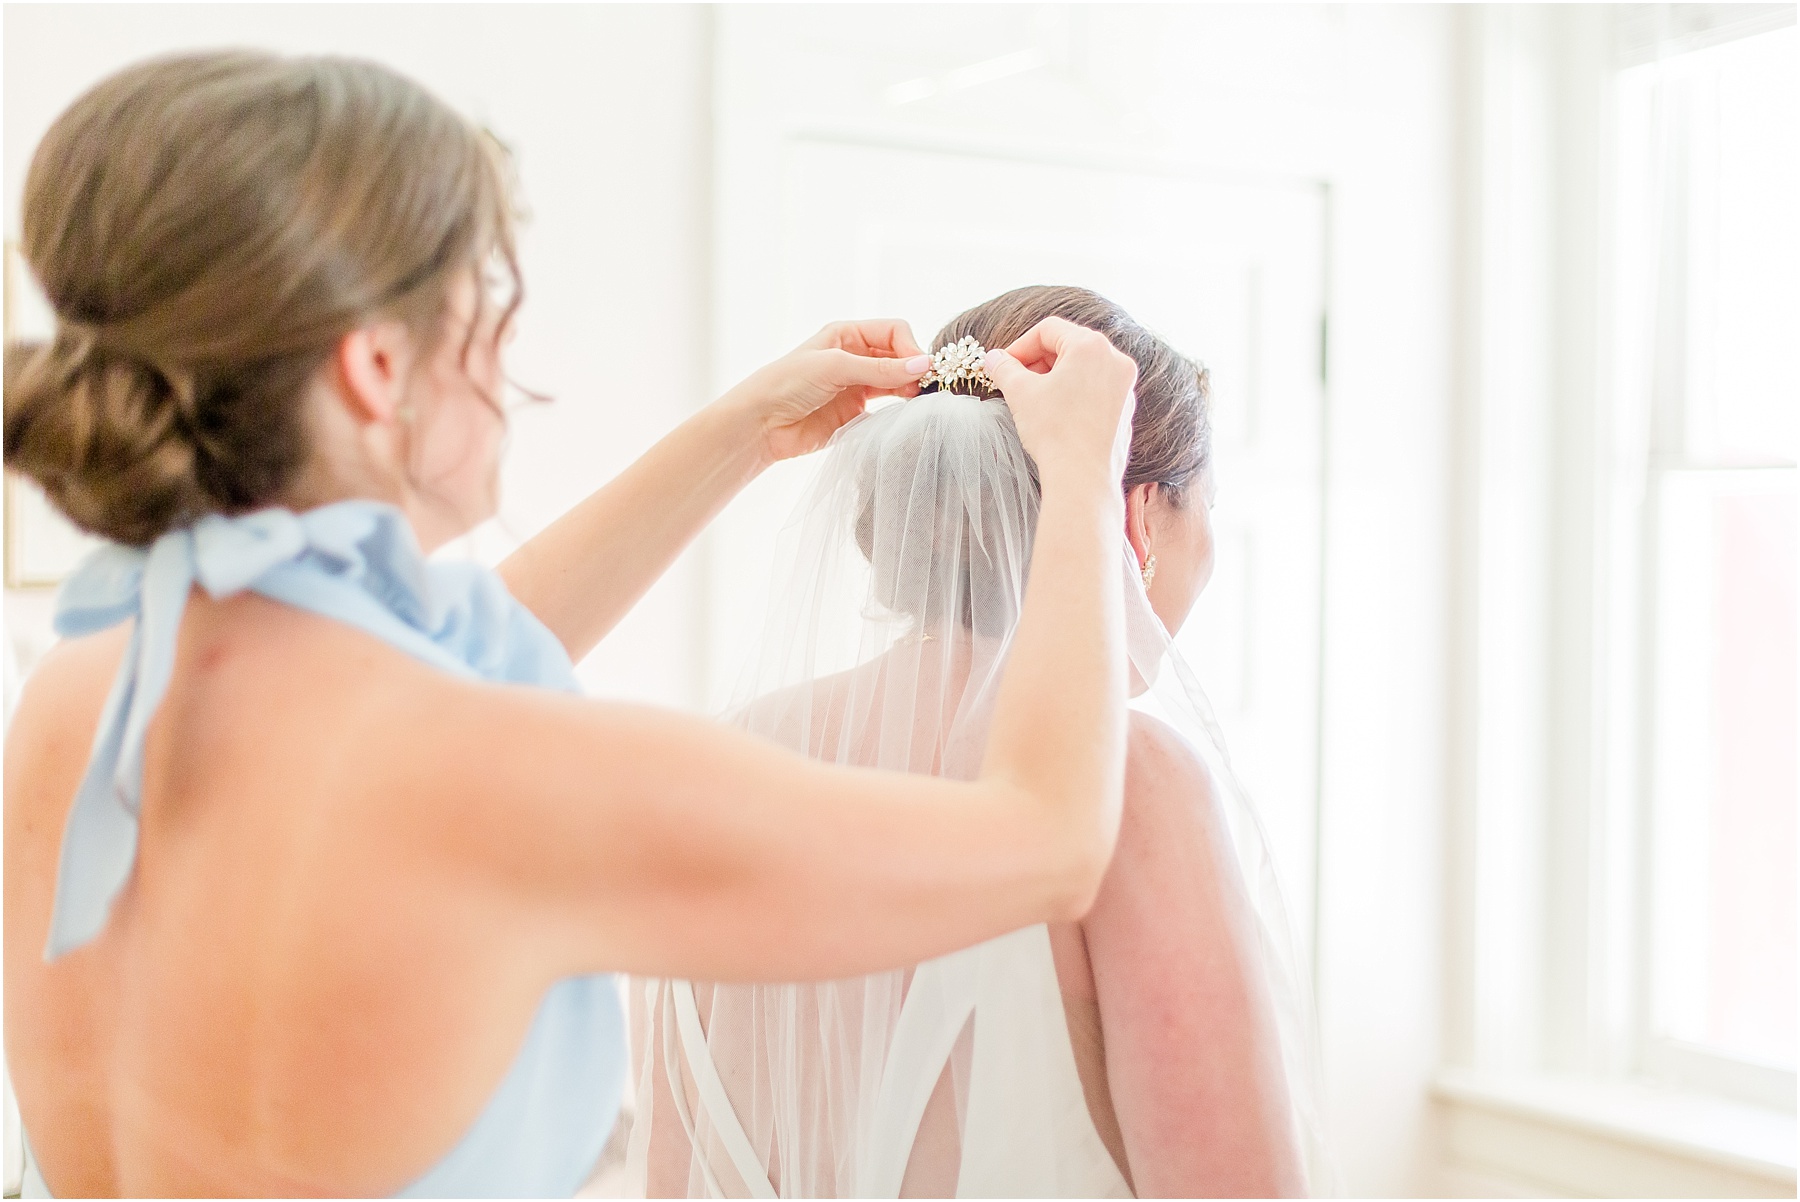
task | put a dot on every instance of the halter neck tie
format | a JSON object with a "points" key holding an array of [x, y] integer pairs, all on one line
{"points": [[356, 561]]}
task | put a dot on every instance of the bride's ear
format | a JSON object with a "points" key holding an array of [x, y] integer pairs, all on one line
{"points": [[1137, 520]]}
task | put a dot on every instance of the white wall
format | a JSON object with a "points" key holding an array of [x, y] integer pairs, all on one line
{"points": [[1387, 542], [606, 107]]}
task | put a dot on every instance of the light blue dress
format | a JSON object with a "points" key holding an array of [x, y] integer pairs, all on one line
{"points": [[356, 562]]}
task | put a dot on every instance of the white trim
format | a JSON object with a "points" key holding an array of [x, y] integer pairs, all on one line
{"points": [[1129, 161], [1692, 1066], [1505, 478], [1579, 1136], [1647, 33]]}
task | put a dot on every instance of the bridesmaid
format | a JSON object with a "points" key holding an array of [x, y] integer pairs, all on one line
{"points": [[315, 859]]}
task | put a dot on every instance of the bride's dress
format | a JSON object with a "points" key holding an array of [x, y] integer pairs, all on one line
{"points": [[897, 594], [988, 1021], [956, 1078]]}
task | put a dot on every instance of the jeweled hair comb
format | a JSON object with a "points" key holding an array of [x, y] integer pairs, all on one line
{"points": [[963, 362]]}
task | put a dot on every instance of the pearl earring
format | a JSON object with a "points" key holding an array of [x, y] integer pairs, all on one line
{"points": [[1149, 571]]}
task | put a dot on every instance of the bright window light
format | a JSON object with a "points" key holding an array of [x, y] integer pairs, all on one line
{"points": [[1719, 538]]}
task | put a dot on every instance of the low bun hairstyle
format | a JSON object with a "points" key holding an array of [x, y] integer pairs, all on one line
{"points": [[1171, 429], [207, 229]]}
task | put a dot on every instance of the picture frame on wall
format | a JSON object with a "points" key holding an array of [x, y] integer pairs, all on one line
{"points": [[42, 546]]}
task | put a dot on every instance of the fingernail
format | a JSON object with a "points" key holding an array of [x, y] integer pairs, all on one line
{"points": [[918, 363], [992, 355]]}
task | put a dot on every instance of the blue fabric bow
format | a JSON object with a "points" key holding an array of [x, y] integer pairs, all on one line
{"points": [[355, 561]]}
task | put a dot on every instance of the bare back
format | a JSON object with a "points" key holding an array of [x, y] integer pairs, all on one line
{"points": [[284, 1000]]}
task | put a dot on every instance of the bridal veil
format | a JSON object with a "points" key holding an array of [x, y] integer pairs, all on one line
{"points": [[898, 586]]}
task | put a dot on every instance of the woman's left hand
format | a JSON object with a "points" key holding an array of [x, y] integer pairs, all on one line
{"points": [[801, 399]]}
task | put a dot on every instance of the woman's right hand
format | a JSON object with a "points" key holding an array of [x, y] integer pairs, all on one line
{"points": [[1070, 393]]}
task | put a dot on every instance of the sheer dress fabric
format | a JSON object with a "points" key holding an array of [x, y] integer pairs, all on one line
{"points": [[897, 590]]}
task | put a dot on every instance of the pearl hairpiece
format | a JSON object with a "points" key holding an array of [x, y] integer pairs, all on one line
{"points": [[961, 362]]}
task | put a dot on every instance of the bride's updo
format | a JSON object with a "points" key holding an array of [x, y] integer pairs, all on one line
{"points": [[1171, 429], [207, 228], [945, 498]]}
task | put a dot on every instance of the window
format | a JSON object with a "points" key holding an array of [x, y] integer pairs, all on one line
{"points": [[1707, 390]]}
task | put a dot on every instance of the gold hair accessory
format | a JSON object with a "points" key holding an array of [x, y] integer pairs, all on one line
{"points": [[1149, 571], [963, 362]]}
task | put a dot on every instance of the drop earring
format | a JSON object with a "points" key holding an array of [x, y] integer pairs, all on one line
{"points": [[1149, 571]]}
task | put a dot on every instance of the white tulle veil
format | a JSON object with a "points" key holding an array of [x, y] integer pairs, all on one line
{"points": [[897, 590]]}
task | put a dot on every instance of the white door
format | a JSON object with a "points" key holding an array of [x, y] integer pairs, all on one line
{"points": [[822, 223]]}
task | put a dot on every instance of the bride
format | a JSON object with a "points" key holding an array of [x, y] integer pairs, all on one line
{"points": [[1160, 1045]]}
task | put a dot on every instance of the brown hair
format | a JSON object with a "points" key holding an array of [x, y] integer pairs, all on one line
{"points": [[207, 228], [1171, 430], [1171, 439]]}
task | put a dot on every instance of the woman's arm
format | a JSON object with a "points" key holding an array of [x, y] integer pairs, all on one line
{"points": [[634, 839], [1191, 1059], [589, 567], [647, 841]]}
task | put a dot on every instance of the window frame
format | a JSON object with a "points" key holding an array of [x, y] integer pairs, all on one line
{"points": [[1651, 421], [1546, 1081]]}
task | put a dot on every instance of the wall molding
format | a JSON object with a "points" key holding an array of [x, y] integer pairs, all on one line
{"points": [[1567, 1135]]}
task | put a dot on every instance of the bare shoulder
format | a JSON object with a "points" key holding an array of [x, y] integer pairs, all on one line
{"points": [[47, 745], [1163, 771], [52, 730], [1167, 832], [1167, 862], [257, 690], [72, 672]]}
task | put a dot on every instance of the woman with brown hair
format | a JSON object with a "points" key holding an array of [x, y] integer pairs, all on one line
{"points": [[314, 865]]}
